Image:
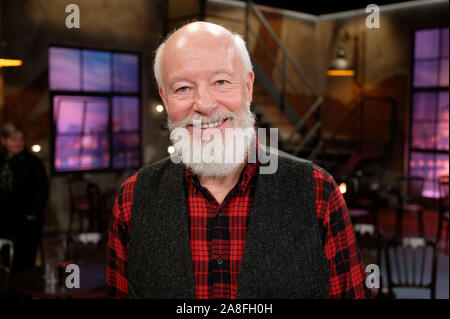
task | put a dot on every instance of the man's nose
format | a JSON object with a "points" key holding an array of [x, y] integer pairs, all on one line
{"points": [[204, 101]]}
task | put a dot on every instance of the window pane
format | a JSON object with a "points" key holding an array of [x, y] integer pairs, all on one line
{"points": [[425, 73], [82, 140], [96, 71], [443, 106], [443, 73], [443, 126], [125, 114], [125, 72], [423, 135], [424, 106], [67, 151], [126, 150], [442, 165], [96, 116], [74, 153], [95, 152], [426, 44], [64, 69], [68, 115], [444, 42], [430, 166]]}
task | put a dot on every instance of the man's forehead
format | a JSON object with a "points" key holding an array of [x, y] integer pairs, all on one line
{"points": [[199, 33]]}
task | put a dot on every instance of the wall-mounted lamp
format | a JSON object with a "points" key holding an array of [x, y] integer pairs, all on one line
{"points": [[340, 66], [10, 62]]}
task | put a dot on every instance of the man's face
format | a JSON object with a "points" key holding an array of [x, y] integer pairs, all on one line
{"points": [[15, 143], [204, 78]]}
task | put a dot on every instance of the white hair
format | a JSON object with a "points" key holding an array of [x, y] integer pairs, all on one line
{"points": [[238, 42]]}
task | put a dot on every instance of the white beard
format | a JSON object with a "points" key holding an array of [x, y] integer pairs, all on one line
{"points": [[228, 162]]}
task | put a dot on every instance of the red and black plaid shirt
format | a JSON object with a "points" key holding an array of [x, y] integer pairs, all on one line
{"points": [[218, 232]]}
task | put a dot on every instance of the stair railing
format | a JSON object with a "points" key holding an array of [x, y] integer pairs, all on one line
{"points": [[316, 107], [324, 144]]}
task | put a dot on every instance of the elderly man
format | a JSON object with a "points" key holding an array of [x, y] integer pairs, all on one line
{"points": [[222, 229]]}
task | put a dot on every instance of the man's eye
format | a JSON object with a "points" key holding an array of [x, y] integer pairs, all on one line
{"points": [[182, 89], [221, 82]]}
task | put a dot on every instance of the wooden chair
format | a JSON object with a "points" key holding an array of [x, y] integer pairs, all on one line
{"points": [[97, 210], [79, 205], [86, 247], [4, 281], [443, 209], [6, 252], [408, 262], [358, 213], [409, 195], [370, 242]]}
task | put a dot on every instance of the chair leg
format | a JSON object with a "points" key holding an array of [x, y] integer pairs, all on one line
{"points": [[69, 230], [421, 225], [446, 242], [398, 225], [439, 230]]}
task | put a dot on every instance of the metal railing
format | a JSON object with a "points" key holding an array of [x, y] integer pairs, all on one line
{"points": [[359, 111], [316, 107]]}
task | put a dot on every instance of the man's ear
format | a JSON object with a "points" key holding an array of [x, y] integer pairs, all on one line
{"points": [[249, 86], [161, 95]]}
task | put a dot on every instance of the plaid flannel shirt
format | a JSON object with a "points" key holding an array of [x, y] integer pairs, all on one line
{"points": [[218, 232]]}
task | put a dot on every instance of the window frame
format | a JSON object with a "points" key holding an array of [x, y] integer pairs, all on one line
{"points": [[109, 95], [413, 90]]}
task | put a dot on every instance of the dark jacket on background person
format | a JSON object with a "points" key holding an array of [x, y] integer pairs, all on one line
{"points": [[24, 192]]}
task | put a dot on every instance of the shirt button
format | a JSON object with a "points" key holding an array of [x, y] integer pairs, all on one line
{"points": [[219, 213], [219, 261]]}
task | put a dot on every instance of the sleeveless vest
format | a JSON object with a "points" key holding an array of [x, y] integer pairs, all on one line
{"points": [[283, 255]]}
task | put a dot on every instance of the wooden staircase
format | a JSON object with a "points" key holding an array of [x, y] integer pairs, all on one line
{"points": [[270, 115]]}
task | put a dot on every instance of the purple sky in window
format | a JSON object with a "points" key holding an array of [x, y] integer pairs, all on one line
{"points": [[444, 42], [126, 150], [430, 166], [78, 150], [64, 69], [424, 105], [125, 73], [125, 114], [425, 73], [443, 72], [96, 71], [426, 44]]}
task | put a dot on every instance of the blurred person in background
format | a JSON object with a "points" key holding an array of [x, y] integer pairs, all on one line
{"points": [[23, 195]]}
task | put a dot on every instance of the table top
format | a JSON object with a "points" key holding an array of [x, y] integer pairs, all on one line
{"points": [[32, 282]]}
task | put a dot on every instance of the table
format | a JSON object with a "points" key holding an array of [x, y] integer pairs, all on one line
{"points": [[31, 282]]}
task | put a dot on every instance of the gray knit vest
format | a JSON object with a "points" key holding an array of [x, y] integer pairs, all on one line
{"points": [[283, 255]]}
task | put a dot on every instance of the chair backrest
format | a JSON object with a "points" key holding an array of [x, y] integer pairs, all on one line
{"points": [[370, 243], [410, 188], [443, 192], [4, 281], [77, 187], [6, 252], [411, 262], [84, 246]]}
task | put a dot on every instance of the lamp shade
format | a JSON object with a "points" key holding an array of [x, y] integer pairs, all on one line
{"points": [[340, 66], [10, 62]]}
